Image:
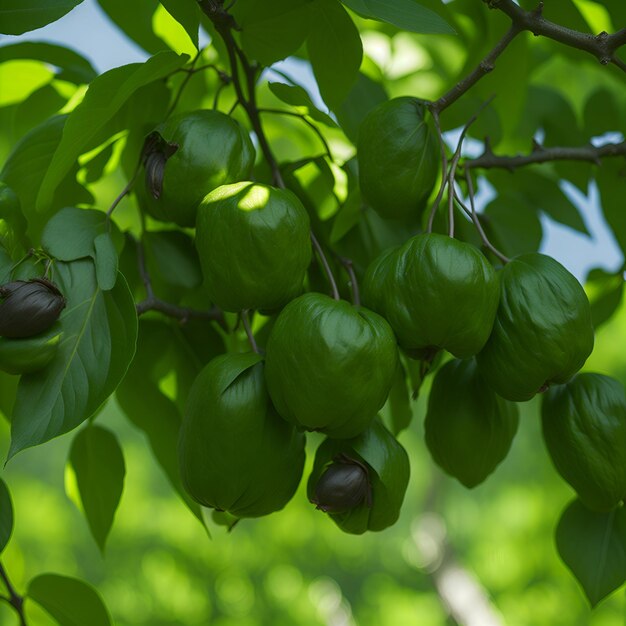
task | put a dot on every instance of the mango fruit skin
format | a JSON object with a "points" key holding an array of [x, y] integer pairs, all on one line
{"points": [[436, 293], [543, 332], [398, 155], [235, 453], [24, 356], [584, 427], [254, 246], [329, 365], [213, 150], [388, 468], [468, 428]]}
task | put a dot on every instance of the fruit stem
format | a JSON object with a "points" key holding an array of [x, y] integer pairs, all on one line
{"points": [[444, 170], [354, 283], [246, 324], [326, 266]]}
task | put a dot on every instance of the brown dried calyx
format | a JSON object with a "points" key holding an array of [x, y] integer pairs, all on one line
{"points": [[344, 485], [156, 152], [29, 307]]}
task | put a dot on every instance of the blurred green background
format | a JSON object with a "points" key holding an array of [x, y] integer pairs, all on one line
{"points": [[295, 567]]}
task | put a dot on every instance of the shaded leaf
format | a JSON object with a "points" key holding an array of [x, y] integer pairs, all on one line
{"points": [[70, 601], [335, 50], [405, 14], [106, 260], [611, 179], [173, 255], [20, 16], [593, 546], [99, 335], [399, 402], [103, 99], [6, 515], [299, 97], [605, 291]]}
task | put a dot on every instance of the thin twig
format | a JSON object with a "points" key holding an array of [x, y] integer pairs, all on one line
{"points": [[190, 72], [14, 599], [444, 171], [246, 324], [354, 283], [310, 124], [488, 159], [326, 266]]}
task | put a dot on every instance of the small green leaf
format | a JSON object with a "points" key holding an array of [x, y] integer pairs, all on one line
{"points": [[271, 31], [106, 261], [70, 601], [593, 546], [98, 465], [297, 96], [405, 14], [6, 515], [74, 67], [605, 291], [335, 50], [99, 336], [187, 14], [20, 16], [399, 402], [12, 222], [611, 179], [103, 99], [347, 217]]}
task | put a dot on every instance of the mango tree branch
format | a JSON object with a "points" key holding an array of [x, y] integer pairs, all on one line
{"points": [[603, 45], [539, 154], [14, 599]]}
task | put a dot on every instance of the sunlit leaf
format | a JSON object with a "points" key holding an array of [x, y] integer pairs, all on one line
{"points": [[20, 16]]}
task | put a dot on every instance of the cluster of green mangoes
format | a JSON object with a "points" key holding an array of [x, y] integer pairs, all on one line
{"points": [[329, 365]]}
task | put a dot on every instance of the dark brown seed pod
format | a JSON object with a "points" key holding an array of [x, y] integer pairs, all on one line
{"points": [[343, 486], [29, 307]]}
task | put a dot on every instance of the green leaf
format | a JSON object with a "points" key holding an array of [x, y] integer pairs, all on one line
{"points": [[103, 99], [605, 291], [12, 222], [20, 16], [70, 601], [364, 95], [98, 465], [135, 20], [172, 254], [611, 179], [99, 337], [297, 96], [593, 546], [271, 31], [405, 14], [335, 51], [74, 67], [71, 233], [26, 166], [399, 402], [106, 261], [187, 14], [347, 217], [600, 110], [6, 515]]}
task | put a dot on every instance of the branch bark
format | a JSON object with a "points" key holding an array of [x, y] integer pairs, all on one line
{"points": [[489, 160]]}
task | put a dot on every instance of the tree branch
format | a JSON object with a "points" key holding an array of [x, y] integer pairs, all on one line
{"points": [[14, 599], [603, 46], [488, 159]]}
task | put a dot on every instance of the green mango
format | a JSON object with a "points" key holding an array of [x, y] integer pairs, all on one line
{"points": [[584, 427], [23, 356], [254, 246], [213, 149], [329, 365], [543, 332], [235, 453], [436, 293], [387, 466], [468, 428], [399, 158]]}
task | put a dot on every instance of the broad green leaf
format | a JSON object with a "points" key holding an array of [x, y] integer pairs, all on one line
{"points": [[74, 67], [71, 602], [335, 50], [39, 106], [103, 99], [135, 20], [71, 233], [98, 465], [12, 222], [593, 546], [405, 14], [347, 217], [6, 515], [187, 14], [106, 260], [20, 16], [364, 95], [611, 180], [99, 337], [601, 111], [605, 291], [298, 96], [398, 405], [25, 168], [271, 31], [172, 254]]}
